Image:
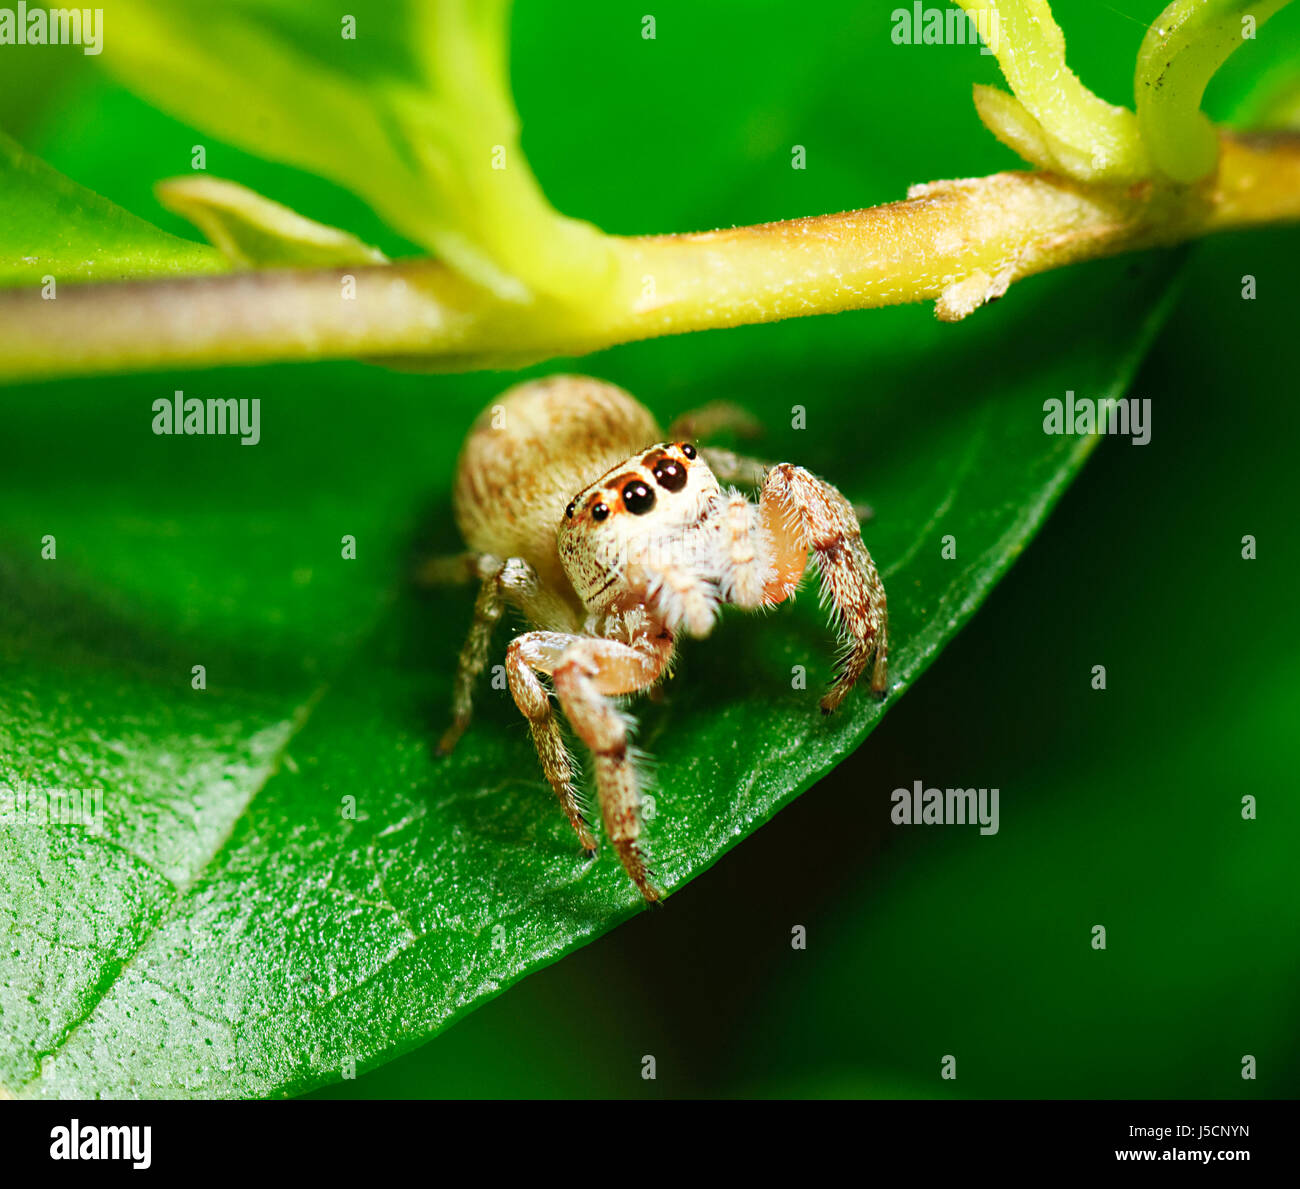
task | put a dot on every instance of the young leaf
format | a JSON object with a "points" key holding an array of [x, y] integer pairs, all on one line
{"points": [[1181, 52], [254, 232], [1053, 115], [54, 228]]}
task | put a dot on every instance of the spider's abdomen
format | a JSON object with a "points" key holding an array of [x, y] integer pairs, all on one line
{"points": [[530, 452]]}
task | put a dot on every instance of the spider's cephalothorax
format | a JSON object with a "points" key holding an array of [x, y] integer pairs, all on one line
{"points": [[615, 540]]}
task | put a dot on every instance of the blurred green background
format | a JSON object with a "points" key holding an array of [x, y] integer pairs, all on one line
{"points": [[1120, 808]]}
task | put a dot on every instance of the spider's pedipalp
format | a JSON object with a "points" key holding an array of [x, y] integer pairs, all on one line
{"points": [[744, 553], [685, 598]]}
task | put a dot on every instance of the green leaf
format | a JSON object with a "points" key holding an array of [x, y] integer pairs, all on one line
{"points": [[287, 879], [54, 227], [234, 914], [254, 232], [405, 104]]}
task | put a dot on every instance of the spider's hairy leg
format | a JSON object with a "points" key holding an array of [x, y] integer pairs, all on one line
{"points": [[719, 416], [588, 672], [800, 513], [457, 569], [752, 472], [730, 467], [499, 581], [529, 654]]}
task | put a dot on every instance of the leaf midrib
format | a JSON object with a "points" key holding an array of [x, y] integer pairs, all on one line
{"points": [[113, 972]]}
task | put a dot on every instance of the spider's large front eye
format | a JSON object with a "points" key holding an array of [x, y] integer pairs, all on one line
{"points": [[638, 498], [670, 474]]}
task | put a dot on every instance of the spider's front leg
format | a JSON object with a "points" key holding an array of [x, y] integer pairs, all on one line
{"points": [[798, 513], [528, 655], [587, 673]]}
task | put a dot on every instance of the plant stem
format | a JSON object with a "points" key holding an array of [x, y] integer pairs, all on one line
{"points": [[958, 243]]}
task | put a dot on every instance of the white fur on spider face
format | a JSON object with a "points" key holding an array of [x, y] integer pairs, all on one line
{"points": [[678, 574], [648, 526]]}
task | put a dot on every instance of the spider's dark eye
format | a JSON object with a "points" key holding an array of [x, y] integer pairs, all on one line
{"points": [[638, 498], [600, 511], [569, 510], [688, 450], [670, 474]]}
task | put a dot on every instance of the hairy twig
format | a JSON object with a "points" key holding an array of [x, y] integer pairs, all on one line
{"points": [[958, 243]]}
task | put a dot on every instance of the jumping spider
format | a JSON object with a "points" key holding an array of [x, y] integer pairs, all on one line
{"points": [[649, 549]]}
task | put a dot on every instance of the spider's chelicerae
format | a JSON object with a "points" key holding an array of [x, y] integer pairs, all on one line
{"points": [[615, 540]]}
